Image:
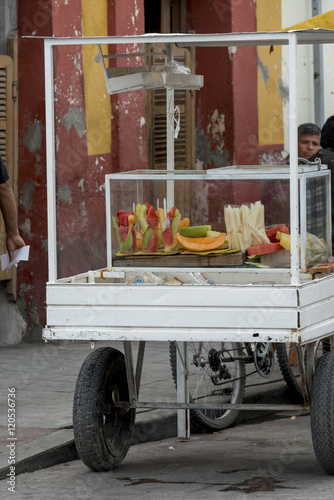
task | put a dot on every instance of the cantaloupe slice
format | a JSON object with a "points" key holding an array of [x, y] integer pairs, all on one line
{"points": [[201, 244]]}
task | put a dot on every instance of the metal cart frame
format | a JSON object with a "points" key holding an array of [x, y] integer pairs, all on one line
{"points": [[294, 309]]}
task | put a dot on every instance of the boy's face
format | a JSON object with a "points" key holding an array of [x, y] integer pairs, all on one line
{"points": [[308, 145]]}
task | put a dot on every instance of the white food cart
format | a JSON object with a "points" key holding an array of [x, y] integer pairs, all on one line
{"points": [[236, 319]]}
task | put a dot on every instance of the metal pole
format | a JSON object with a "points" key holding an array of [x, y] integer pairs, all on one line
{"points": [[318, 75], [183, 416], [294, 197], [50, 160], [170, 131]]}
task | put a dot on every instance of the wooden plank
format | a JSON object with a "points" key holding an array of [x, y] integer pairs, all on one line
{"points": [[165, 334], [254, 297], [316, 313], [316, 290], [184, 260], [171, 317]]}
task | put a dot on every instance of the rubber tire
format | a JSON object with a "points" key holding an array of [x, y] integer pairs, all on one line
{"points": [[290, 375], [102, 441], [290, 378], [199, 419], [322, 412]]}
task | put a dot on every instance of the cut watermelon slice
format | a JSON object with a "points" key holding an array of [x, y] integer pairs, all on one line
{"points": [[264, 249], [168, 237], [152, 244], [271, 232], [151, 218]]}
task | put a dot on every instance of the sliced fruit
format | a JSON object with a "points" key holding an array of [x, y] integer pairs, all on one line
{"points": [[142, 217], [285, 240], [264, 249], [152, 244], [194, 231], [168, 233], [271, 232], [146, 236], [118, 236], [139, 239], [201, 244], [152, 218], [175, 223], [171, 213], [127, 244], [161, 216], [209, 234], [168, 237], [184, 222]]}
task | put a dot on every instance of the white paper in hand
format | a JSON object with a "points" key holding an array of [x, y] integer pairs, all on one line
{"points": [[20, 254]]}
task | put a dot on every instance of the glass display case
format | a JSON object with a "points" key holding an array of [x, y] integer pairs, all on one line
{"points": [[205, 201]]}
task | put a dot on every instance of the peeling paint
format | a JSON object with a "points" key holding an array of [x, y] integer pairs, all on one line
{"points": [[84, 213], [75, 117], [33, 313], [81, 184], [26, 198], [283, 90], [231, 51], [45, 245], [206, 156], [216, 129], [24, 288], [33, 139], [263, 69], [64, 194], [26, 228], [142, 121]]}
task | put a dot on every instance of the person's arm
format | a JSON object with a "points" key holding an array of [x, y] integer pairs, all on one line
{"points": [[8, 209]]}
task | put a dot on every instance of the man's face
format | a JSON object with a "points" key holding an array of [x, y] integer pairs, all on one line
{"points": [[308, 145]]}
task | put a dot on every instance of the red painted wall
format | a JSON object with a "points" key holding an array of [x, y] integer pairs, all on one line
{"points": [[34, 18], [227, 77], [80, 179], [226, 107], [128, 108]]}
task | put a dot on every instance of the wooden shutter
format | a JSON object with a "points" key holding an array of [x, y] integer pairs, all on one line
{"points": [[156, 119], [6, 138]]}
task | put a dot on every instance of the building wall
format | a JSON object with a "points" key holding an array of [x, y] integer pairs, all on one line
{"points": [[93, 134], [292, 13], [96, 134], [226, 114]]}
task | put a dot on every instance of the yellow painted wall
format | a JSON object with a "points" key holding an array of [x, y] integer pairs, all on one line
{"points": [[270, 106], [97, 100]]}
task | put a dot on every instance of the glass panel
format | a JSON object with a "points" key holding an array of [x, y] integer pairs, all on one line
{"points": [[201, 198]]}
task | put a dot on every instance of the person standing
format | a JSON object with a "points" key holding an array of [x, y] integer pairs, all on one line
{"points": [[308, 140], [326, 156], [9, 213], [326, 153]]}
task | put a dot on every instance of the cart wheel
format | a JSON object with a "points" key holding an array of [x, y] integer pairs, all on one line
{"points": [[102, 432], [288, 362], [322, 412], [213, 378]]}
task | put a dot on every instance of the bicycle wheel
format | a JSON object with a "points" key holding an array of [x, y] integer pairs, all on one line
{"points": [[214, 377], [288, 361], [102, 431]]}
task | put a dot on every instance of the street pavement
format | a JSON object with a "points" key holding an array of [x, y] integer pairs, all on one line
{"points": [[271, 459], [44, 376]]}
